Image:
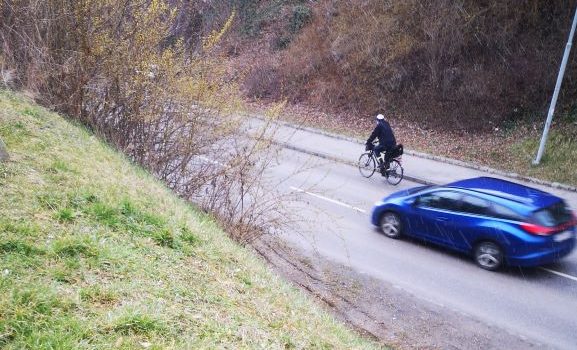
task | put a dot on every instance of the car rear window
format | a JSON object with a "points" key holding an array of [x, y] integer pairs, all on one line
{"points": [[554, 215]]}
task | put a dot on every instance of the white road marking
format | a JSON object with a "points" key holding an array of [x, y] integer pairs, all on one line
{"points": [[334, 201], [559, 274]]}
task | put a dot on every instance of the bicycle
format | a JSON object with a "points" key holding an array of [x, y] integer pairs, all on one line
{"points": [[368, 165]]}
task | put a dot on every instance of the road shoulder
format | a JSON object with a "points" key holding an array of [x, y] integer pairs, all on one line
{"points": [[381, 310]]}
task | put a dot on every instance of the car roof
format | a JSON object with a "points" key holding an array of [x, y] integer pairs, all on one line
{"points": [[528, 196]]}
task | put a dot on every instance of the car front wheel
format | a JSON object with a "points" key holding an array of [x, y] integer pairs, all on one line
{"points": [[391, 225], [489, 256]]}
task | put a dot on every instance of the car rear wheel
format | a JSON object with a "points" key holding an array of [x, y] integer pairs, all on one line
{"points": [[489, 256], [390, 225]]}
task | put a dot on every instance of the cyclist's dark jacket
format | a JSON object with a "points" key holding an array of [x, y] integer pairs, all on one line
{"points": [[385, 135]]}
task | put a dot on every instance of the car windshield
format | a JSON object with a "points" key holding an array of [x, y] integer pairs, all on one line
{"points": [[418, 189], [554, 215]]}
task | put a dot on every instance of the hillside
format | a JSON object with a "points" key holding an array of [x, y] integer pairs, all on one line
{"points": [[95, 253]]}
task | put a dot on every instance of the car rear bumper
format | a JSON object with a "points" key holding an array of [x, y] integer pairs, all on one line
{"points": [[543, 255]]}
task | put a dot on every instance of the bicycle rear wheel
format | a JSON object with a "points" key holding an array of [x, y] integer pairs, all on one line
{"points": [[367, 165], [395, 172]]}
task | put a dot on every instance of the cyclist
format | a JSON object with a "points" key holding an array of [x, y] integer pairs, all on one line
{"points": [[387, 142]]}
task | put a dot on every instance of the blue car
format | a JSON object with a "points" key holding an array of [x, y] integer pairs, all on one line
{"points": [[496, 221]]}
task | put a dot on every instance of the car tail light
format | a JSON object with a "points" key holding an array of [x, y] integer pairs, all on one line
{"points": [[548, 231], [537, 229]]}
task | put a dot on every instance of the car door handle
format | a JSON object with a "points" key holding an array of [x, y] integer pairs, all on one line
{"points": [[442, 218]]}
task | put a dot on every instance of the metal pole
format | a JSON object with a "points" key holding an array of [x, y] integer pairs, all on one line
{"points": [[556, 93]]}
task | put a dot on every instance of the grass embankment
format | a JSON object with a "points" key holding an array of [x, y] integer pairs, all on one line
{"points": [[95, 253]]}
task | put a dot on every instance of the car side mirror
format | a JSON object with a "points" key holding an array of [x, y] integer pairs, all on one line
{"points": [[413, 201]]}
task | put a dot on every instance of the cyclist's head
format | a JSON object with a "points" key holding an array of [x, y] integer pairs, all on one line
{"points": [[380, 117]]}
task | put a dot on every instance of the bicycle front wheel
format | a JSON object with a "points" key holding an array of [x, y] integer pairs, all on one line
{"points": [[367, 165], [395, 172]]}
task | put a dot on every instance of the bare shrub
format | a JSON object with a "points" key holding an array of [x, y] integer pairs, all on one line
{"points": [[465, 63], [263, 82], [305, 62], [124, 70]]}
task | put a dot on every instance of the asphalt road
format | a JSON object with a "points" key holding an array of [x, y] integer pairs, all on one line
{"points": [[537, 304]]}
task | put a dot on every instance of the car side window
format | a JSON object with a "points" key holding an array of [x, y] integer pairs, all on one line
{"points": [[474, 205], [502, 212], [446, 200]]}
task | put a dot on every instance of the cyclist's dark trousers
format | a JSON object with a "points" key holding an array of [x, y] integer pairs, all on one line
{"points": [[388, 150]]}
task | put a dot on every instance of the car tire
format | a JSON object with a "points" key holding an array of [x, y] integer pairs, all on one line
{"points": [[390, 224], [489, 256]]}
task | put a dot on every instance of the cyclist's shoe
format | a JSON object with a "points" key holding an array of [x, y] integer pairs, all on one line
{"points": [[383, 171]]}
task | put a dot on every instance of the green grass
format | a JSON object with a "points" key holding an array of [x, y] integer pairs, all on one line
{"points": [[558, 162], [254, 16], [96, 254]]}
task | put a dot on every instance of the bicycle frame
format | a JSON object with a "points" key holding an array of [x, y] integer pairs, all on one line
{"points": [[382, 156]]}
